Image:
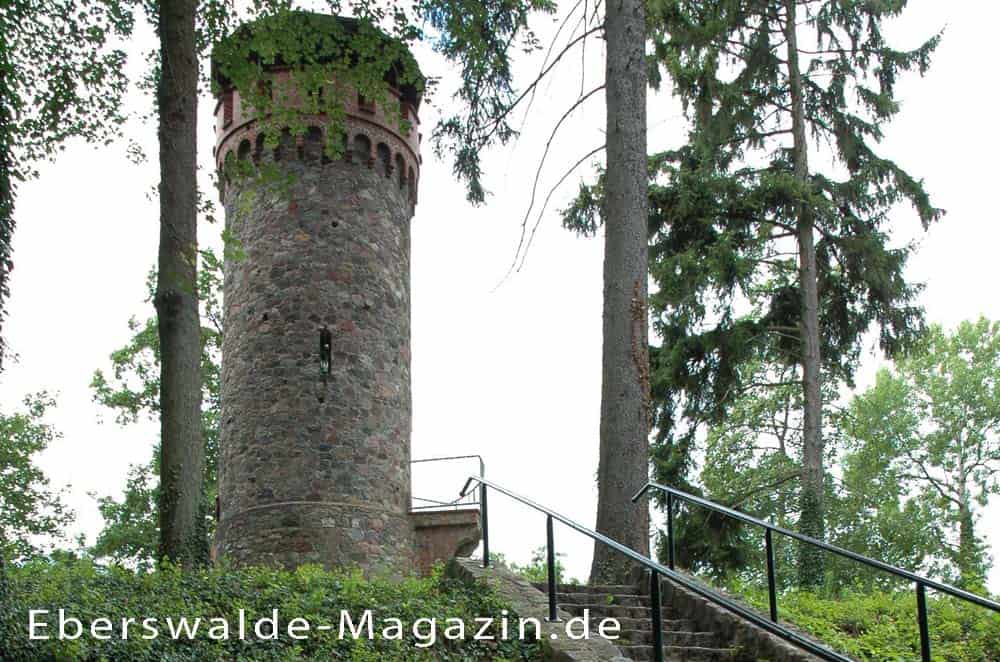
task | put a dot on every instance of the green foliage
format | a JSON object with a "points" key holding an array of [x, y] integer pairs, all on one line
{"points": [[726, 211], [919, 455], [132, 391], [931, 427], [60, 78], [371, 53], [320, 49], [28, 507], [722, 208], [478, 37], [88, 591], [536, 570], [882, 626]]}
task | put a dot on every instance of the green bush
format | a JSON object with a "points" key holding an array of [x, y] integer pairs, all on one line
{"points": [[537, 570], [882, 627], [88, 591]]}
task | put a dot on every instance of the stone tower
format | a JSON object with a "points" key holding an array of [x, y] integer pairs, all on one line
{"points": [[316, 409]]}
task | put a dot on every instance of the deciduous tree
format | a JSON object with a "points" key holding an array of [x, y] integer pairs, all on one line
{"points": [[132, 391], [182, 452], [61, 77], [29, 509], [931, 425], [623, 463]]}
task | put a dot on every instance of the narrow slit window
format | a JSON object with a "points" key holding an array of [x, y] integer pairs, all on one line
{"points": [[325, 352]]}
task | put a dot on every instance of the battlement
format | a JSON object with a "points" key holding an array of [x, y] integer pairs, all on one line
{"points": [[381, 134], [372, 137]]}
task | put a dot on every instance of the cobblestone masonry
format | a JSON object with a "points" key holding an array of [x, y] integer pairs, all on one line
{"points": [[316, 407]]}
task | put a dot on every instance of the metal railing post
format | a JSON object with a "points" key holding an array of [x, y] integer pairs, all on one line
{"points": [[654, 603], [772, 595], [550, 540], [484, 516], [925, 637], [670, 530]]}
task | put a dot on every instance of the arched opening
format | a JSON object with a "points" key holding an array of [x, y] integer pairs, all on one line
{"points": [[384, 159], [412, 182], [286, 145], [313, 145], [243, 153], [227, 108], [228, 168], [404, 117], [401, 171], [258, 149], [362, 149]]}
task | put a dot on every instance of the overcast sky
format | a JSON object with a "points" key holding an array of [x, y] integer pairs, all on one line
{"points": [[509, 372]]}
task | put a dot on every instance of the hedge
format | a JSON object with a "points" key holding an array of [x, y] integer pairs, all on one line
{"points": [[882, 627], [88, 591]]}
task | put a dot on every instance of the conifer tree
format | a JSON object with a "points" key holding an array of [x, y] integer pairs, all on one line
{"points": [[756, 254], [762, 100], [623, 464]]}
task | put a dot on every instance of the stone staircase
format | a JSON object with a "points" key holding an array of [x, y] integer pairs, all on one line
{"points": [[681, 640]]}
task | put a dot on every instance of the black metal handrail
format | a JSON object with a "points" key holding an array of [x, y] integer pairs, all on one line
{"points": [[434, 504], [922, 583], [656, 571]]}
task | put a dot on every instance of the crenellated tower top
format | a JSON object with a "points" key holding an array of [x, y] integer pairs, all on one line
{"points": [[378, 134]]}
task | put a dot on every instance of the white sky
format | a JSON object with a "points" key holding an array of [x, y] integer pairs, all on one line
{"points": [[512, 373]]}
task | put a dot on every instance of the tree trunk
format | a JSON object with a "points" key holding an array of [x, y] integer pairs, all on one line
{"points": [[624, 444], [6, 192], [811, 507], [970, 569], [182, 459]]}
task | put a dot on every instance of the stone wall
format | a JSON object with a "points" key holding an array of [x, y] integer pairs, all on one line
{"points": [[526, 601], [444, 534], [315, 430], [754, 643]]}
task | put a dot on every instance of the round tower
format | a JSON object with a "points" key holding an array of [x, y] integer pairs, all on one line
{"points": [[314, 460]]}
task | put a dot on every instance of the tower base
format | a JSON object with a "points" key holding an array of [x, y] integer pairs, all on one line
{"points": [[331, 534]]}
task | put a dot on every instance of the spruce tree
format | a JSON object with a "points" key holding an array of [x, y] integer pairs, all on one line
{"points": [[756, 254]]}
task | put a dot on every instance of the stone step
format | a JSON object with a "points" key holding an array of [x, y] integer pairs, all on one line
{"points": [[631, 609], [604, 610], [602, 598], [622, 590], [646, 624], [615, 589], [670, 638], [644, 653]]}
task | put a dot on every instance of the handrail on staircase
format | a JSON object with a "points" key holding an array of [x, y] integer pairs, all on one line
{"points": [[656, 570], [922, 583], [434, 504]]}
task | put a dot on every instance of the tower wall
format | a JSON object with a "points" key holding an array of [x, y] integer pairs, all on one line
{"points": [[316, 406]]}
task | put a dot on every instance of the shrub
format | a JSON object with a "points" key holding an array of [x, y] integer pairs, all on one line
{"points": [[88, 591], [882, 627]]}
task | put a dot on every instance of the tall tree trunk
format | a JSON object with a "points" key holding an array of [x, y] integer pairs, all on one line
{"points": [[6, 188], [967, 546], [811, 519], [624, 445], [970, 568], [182, 459]]}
